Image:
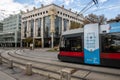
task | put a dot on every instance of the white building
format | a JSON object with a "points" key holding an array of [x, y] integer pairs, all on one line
{"points": [[1, 30], [11, 31], [45, 24]]}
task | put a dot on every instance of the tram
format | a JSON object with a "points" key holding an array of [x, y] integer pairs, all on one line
{"points": [[94, 44]]}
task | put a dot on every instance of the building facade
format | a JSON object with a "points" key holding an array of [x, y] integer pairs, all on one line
{"points": [[44, 25], [1, 26], [11, 36], [1, 30]]}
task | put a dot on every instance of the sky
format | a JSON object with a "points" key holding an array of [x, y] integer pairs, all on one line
{"points": [[109, 8]]}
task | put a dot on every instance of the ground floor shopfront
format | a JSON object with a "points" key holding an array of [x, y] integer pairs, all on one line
{"points": [[38, 43], [10, 44]]}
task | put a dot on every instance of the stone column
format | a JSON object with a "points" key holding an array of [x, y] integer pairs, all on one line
{"points": [[62, 25], [52, 29], [36, 28], [28, 29], [42, 33], [15, 37], [52, 12], [34, 33], [69, 25], [22, 33]]}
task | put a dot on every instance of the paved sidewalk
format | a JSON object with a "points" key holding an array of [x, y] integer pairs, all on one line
{"points": [[4, 76]]}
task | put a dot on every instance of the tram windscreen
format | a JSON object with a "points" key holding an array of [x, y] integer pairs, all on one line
{"points": [[71, 43], [110, 43]]}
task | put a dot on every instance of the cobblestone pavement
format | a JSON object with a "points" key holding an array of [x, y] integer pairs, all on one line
{"points": [[18, 74]]}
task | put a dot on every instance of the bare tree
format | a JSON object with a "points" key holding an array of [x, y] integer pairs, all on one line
{"points": [[116, 19], [92, 18], [118, 16]]}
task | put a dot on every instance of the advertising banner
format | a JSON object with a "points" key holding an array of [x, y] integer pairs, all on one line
{"points": [[110, 28], [91, 44], [114, 27]]}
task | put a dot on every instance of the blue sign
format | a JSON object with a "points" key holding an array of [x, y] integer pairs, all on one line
{"points": [[115, 27], [91, 44]]}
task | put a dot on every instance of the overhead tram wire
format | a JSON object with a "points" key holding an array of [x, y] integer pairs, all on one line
{"points": [[95, 2], [86, 6], [89, 5], [98, 9], [106, 8]]}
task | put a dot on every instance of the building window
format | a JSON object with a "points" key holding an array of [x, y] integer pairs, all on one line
{"points": [[25, 28], [35, 14], [46, 11], [46, 26], [58, 12], [68, 15], [32, 27], [65, 24], [43, 12], [61, 13], [58, 26], [39, 27]]}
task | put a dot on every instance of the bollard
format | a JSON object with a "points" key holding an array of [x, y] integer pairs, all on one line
{"points": [[10, 64], [66, 73], [0, 60], [29, 69]]}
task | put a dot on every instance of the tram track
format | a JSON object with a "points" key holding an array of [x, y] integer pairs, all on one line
{"points": [[31, 55], [21, 60], [63, 64]]}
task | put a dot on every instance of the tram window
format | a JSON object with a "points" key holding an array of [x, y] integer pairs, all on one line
{"points": [[73, 44], [111, 42], [62, 43]]}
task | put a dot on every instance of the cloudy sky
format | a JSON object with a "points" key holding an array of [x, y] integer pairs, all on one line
{"points": [[110, 8]]}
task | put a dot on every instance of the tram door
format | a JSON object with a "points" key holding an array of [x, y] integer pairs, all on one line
{"points": [[91, 44]]}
